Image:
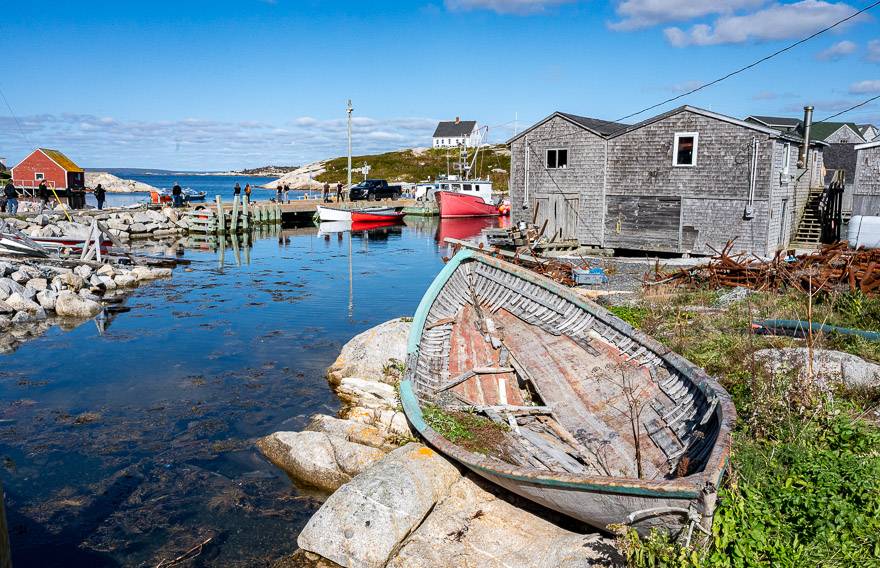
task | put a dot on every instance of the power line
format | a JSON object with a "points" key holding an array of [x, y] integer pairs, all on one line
{"points": [[15, 118], [755, 63], [861, 104]]}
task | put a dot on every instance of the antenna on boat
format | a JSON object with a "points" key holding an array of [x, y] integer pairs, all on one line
{"points": [[349, 110]]}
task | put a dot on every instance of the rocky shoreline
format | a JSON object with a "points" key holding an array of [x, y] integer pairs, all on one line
{"points": [[395, 502], [36, 294]]}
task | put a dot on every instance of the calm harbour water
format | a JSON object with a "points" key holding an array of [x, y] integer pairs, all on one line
{"points": [[133, 446]]}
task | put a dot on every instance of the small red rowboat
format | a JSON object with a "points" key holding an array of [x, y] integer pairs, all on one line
{"points": [[371, 217]]}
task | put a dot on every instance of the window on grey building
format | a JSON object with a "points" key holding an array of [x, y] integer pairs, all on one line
{"points": [[786, 157], [685, 149], [557, 158]]}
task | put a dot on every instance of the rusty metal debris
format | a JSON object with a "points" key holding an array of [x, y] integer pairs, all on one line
{"points": [[833, 268], [557, 270]]}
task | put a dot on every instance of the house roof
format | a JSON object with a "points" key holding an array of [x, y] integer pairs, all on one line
{"points": [[62, 160], [597, 126], [708, 114], [867, 145], [609, 129], [772, 121], [822, 130], [452, 129], [604, 127]]}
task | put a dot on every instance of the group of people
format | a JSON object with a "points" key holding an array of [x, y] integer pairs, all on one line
{"points": [[10, 195], [236, 191], [340, 192], [282, 193]]}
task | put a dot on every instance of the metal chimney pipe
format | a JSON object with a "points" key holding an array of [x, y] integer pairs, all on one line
{"points": [[805, 147]]}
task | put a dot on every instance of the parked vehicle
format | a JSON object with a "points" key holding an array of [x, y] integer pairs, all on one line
{"points": [[374, 189], [551, 369]]}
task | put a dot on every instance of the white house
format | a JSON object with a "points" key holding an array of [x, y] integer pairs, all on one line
{"points": [[454, 133]]}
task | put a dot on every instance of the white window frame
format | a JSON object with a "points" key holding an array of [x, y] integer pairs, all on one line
{"points": [[39, 176], [696, 137], [786, 157], [556, 167]]}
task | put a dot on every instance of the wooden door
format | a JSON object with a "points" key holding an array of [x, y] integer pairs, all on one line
{"points": [[560, 212], [643, 223]]}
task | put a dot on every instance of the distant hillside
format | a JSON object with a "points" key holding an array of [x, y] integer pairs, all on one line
{"points": [[408, 166], [268, 171]]}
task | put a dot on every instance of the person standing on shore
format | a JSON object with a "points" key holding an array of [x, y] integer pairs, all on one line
{"points": [[11, 195], [43, 195], [326, 192], [100, 195], [236, 191], [340, 195], [177, 195]]}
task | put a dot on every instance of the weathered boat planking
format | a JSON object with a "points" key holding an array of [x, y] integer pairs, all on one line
{"points": [[604, 423]]}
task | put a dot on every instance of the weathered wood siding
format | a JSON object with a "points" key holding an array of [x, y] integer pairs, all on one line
{"points": [[845, 135], [784, 208], [713, 194], [559, 191], [866, 194]]}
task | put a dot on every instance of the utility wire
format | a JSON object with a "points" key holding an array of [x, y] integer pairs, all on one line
{"points": [[861, 104], [755, 63], [15, 118]]}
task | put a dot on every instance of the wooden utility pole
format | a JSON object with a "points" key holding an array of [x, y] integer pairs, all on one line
{"points": [[349, 110]]}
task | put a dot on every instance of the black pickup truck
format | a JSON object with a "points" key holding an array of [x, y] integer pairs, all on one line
{"points": [[374, 189]]}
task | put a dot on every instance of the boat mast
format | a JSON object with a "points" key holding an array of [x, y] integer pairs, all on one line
{"points": [[349, 109]]}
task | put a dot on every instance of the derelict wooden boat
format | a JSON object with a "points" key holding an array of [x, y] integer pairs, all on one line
{"points": [[16, 243], [598, 420]]}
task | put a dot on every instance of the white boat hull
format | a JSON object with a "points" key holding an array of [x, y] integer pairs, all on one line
{"points": [[331, 214]]}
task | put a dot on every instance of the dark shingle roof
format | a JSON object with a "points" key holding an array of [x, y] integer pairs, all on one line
{"points": [[451, 129], [604, 127], [822, 130], [782, 121]]}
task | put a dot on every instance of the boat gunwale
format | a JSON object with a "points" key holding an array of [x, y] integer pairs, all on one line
{"points": [[689, 487]]}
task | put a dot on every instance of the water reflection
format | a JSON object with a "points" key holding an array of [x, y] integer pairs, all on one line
{"points": [[131, 440]]}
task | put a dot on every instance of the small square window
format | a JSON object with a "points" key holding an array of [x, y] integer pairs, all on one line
{"points": [[557, 159], [685, 149], [39, 176]]}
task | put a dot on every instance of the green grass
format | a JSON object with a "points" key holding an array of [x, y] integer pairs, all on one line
{"points": [[805, 483], [467, 429], [406, 166]]}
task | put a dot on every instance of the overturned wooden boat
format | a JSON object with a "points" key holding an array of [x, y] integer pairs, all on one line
{"points": [[14, 242], [591, 417]]}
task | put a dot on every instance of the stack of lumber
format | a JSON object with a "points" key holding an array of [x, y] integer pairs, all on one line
{"points": [[834, 268]]}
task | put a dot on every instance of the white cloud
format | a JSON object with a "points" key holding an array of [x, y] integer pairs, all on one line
{"points": [[519, 7], [837, 51], [775, 22], [865, 87], [873, 54], [637, 14], [199, 144]]}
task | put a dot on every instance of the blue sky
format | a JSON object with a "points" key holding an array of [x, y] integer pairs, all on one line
{"points": [[196, 84]]}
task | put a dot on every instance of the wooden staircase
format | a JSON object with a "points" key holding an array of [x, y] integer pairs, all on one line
{"points": [[810, 227]]}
